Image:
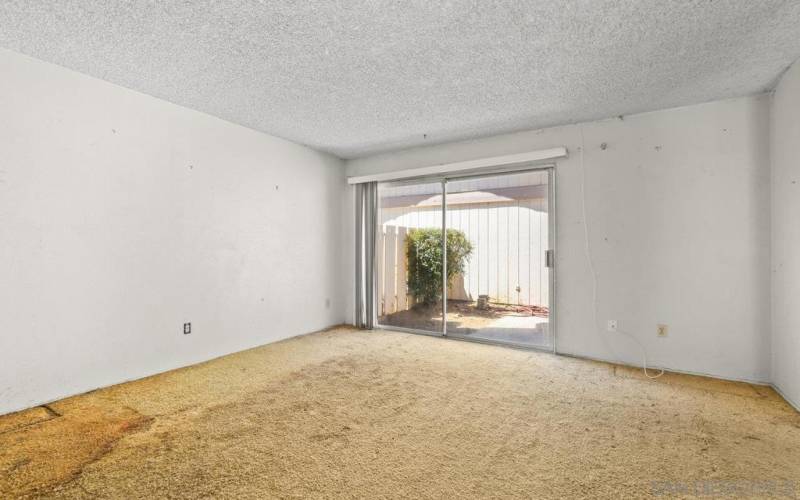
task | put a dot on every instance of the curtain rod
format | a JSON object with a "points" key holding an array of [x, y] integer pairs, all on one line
{"points": [[464, 166]]}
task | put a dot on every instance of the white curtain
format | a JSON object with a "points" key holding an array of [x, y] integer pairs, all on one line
{"points": [[366, 221]]}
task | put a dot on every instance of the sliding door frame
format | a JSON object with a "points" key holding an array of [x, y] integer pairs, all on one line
{"points": [[552, 242]]}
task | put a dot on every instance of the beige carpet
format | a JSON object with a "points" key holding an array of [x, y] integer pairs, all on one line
{"points": [[353, 414]]}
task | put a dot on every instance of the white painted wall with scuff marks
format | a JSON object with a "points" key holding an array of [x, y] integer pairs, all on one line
{"points": [[677, 205], [785, 134], [123, 216]]}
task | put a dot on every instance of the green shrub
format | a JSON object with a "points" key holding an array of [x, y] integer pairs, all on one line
{"points": [[424, 252]]}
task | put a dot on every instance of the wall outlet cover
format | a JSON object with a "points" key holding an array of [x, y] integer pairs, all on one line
{"points": [[662, 330], [612, 325], [187, 328]]}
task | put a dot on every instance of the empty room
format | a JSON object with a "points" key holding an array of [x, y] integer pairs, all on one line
{"points": [[372, 249]]}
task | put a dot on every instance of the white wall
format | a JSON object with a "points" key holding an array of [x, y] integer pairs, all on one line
{"points": [[785, 135], [123, 216], [678, 214]]}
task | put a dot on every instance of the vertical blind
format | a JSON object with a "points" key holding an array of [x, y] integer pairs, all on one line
{"points": [[366, 225]]}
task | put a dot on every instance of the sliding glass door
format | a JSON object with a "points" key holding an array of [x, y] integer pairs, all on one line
{"points": [[498, 266], [409, 256], [503, 293]]}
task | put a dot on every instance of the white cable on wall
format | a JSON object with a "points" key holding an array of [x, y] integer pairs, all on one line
{"points": [[588, 250]]}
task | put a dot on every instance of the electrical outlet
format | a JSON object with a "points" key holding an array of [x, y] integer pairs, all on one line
{"points": [[612, 325], [661, 330], [187, 328]]}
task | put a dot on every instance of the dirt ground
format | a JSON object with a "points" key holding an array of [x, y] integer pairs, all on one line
{"points": [[462, 316], [380, 414]]}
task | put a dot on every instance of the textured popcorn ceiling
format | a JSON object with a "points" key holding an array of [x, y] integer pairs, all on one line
{"points": [[356, 77]]}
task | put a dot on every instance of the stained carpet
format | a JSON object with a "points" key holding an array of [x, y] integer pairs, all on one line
{"points": [[352, 414]]}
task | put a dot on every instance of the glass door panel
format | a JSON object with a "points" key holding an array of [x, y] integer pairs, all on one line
{"points": [[500, 291], [409, 256]]}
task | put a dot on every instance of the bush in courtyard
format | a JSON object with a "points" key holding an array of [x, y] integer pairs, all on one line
{"points": [[424, 253]]}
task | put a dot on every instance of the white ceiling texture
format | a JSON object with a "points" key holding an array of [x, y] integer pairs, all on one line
{"points": [[359, 77]]}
